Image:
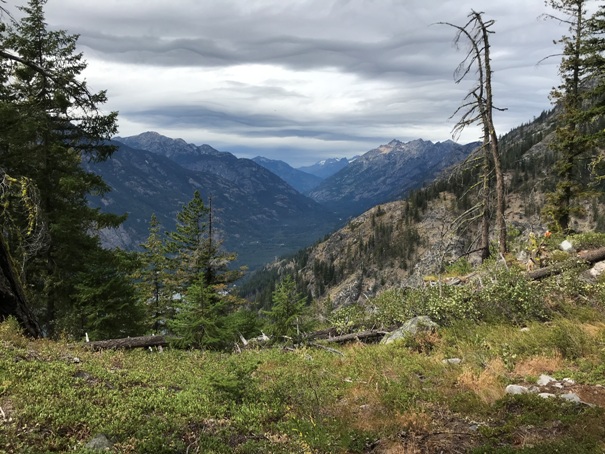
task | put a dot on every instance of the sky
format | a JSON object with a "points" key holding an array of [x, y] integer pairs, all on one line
{"points": [[305, 80]]}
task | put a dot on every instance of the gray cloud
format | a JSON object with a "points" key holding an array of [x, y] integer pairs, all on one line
{"points": [[318, 78]]}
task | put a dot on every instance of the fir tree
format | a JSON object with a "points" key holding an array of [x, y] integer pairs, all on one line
{"points": [[286, 316], [52, 124], [574, 138], [152, 276], [204, 309]]}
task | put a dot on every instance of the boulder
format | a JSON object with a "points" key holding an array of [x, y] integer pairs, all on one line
{"points": [[99, 443], [516, 389], [410, 328]]}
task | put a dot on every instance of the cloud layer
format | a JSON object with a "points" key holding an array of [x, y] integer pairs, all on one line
{"points": [[304, 79]]}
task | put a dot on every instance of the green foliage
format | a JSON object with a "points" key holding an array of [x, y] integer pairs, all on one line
{"points": [[460, 267], [587, 240], [106, 300], [152, 278], [51, 123], [577, 96], [287, 316]]}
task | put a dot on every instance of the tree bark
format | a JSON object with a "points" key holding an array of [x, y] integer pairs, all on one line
{"points": [[368, 336], [12, 298], [590, 257], [129, 342]]}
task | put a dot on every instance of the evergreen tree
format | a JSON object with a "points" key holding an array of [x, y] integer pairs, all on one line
{"points": [[106, 299], [188, 244], [204, 309], [151, 277], [574, 138], [286, 316], [52, 122]]}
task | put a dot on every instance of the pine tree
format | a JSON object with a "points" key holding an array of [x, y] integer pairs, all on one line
{"points": [[203, 312], [287, 313], [574, 138], [188, 244], [106, 300], [152, 276], [52, 124]]}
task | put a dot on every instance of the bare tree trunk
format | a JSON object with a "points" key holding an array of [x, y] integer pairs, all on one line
{"points": [[129, 342], [12, 298], [493, 138]]}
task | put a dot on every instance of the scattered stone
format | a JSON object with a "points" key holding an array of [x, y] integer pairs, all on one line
{"points": [[546, 395], [410, 328], [452, 361], [76, 360], [571, 397], [597, 269], [516, 389], [544, 380], [522, 256], [558, 385], [566, 246], [99, 443], [568, 382], [524, 330]]}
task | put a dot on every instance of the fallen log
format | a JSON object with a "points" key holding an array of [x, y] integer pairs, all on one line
{"points": [[367, 336], [128, 343], [588, 257]]}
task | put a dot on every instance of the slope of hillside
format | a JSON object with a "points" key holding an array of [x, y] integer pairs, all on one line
{"points": [[397, 244], [301, 181], [387, 173], [259, 215]]}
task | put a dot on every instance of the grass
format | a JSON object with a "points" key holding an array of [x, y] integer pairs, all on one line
{"points": [[376, 398], [397, 398]]}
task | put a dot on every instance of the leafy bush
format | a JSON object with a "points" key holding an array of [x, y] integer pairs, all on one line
{"points": [[587, 240], [510, 296]]}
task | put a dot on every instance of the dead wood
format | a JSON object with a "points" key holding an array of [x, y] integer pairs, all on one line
{"points": [[129, 343], [588, 257], [366, 336]]}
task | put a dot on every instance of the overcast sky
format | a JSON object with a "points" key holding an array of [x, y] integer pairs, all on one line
{"points": [[303, 80]]}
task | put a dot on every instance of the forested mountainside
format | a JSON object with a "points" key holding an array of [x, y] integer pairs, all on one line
{"points": [[399, 243], [387, 173], [303, 182], [255, 213]]}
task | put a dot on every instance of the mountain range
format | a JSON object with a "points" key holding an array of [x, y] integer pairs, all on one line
{"points": [[387, 173], [260, 216], [259, 212]]}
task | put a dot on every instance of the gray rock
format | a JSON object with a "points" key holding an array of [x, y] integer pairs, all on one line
{"points": [[597, 269], [99, 443], [546, 395], [544, 380], [516, 389], [452, 361], [566, 246], [410, 328], [571, 397], [568, 382]]}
